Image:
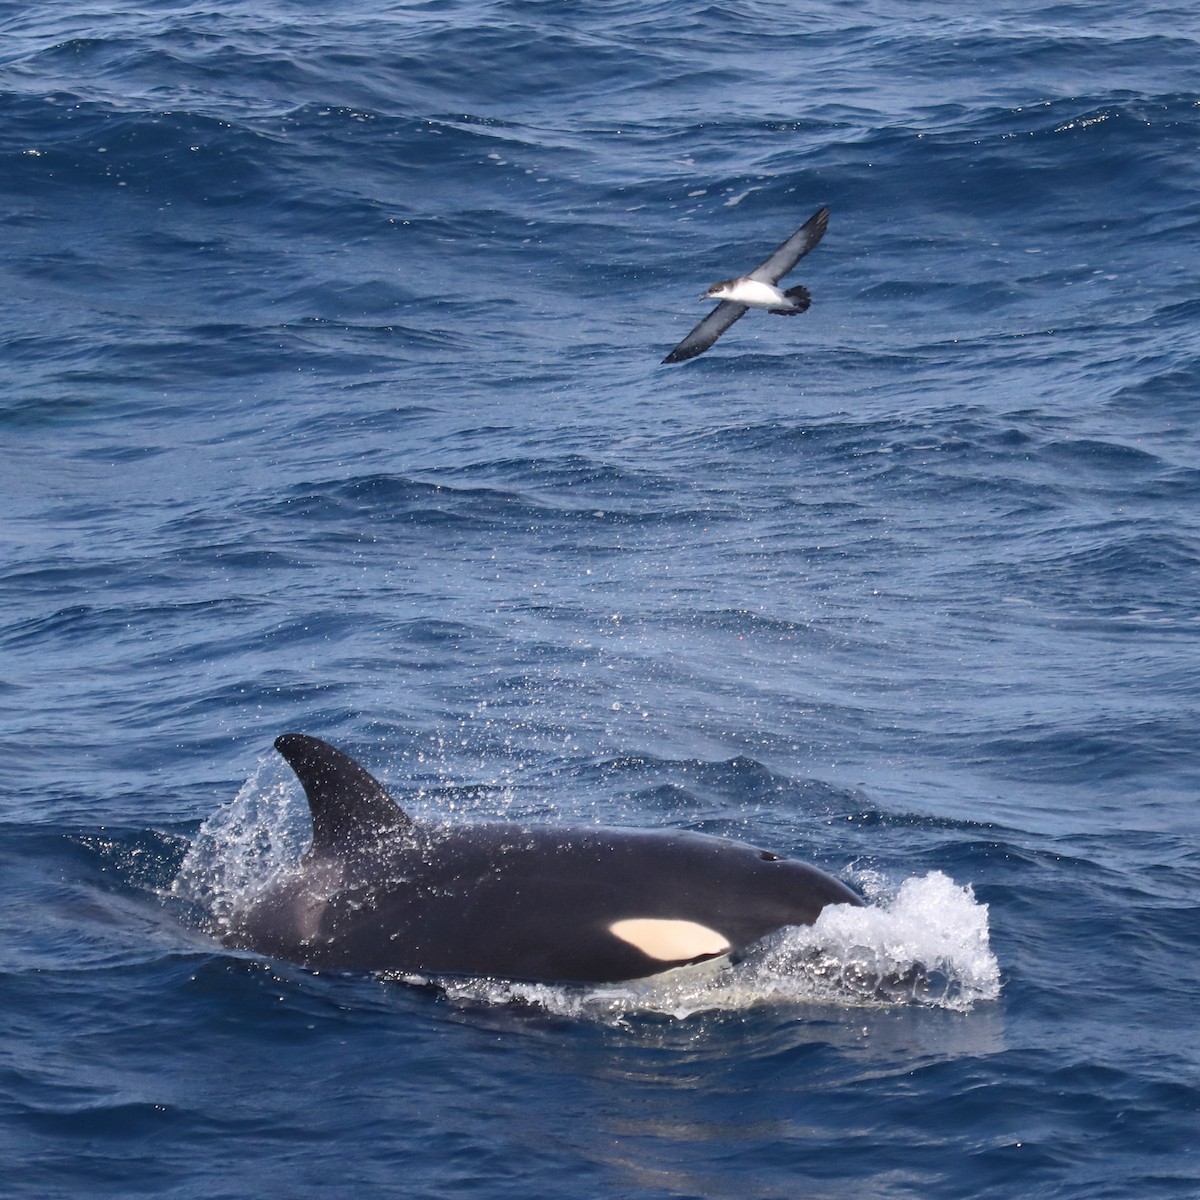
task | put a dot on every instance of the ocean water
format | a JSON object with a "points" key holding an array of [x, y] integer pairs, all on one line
{"points": [[331, 400]]}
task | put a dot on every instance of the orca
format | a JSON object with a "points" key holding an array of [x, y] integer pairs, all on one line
{"points": [[380, 892]]}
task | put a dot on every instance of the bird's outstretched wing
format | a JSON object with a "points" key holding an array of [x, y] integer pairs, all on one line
{"points": [[707, 332], [794, 249]]}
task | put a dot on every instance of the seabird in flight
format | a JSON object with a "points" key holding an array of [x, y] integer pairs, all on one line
{"points": [[758, 289]]}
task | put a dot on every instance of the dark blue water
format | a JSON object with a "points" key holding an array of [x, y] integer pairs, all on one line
{"points": [[331, 401]]}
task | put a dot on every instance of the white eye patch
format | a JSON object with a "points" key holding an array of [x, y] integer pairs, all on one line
{"points": [[670, 941]]}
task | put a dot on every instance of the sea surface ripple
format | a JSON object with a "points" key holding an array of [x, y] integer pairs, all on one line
{"points": [[332, 402]]}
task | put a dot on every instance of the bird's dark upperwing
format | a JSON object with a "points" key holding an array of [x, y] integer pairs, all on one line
{"points": [[707, 331], [793, 250]]}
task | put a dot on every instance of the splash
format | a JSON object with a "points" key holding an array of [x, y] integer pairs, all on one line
{"points": [[926, 945], [244, 847]]}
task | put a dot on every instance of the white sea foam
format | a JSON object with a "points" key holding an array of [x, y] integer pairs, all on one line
{"points": [[246, 845]]}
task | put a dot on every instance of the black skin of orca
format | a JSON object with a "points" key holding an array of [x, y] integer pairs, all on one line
{"points": [[379, 892]]}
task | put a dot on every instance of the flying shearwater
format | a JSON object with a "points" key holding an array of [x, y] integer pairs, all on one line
{"points": [[758, 289]]}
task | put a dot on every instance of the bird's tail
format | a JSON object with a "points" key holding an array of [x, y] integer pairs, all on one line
{"points": [[800, 299]]}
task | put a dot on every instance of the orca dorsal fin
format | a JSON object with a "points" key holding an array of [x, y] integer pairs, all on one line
{"points": [[349, 805]]}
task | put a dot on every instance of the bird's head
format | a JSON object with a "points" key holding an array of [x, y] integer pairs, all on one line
{"points": [[719, 291]]}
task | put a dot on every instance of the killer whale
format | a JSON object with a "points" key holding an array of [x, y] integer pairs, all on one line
{"points": [[378, 891]]}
